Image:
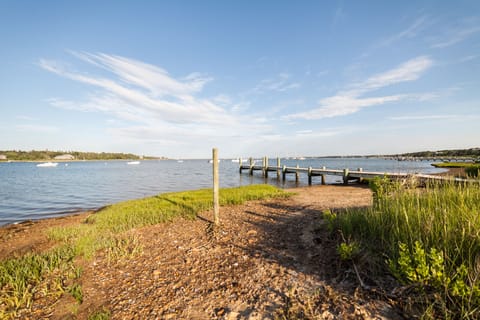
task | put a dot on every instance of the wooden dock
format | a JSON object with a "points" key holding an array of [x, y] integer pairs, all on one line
{"points": [[347, 175]]}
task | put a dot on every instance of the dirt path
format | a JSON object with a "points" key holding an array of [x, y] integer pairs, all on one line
{"points": [[269, 260]]}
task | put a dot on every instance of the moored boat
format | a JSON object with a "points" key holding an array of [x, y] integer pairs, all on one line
{"points": [[47, 164]]}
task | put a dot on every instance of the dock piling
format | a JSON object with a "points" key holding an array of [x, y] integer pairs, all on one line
{"points": [[360, 179], [345, 176], [278, 168]]}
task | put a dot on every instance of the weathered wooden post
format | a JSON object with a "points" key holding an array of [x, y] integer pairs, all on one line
{"points": [[240, 164], [284, 172], [265, 167], [309, 176], [345, 176], [216, 205], [323, 176], [360, 179], [278, 168], [296, 174], [251, 166]]}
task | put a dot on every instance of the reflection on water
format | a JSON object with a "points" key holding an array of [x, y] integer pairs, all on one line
{"points": [[31, 192]]}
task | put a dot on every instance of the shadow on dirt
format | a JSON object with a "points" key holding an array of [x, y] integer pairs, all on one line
{"points": [[295, 236]]}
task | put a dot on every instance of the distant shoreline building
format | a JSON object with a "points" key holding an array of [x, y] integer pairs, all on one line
{"points": [[3, 157], [64, 157]]}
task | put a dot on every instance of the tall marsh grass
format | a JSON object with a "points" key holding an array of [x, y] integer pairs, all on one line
{"points": [[21, 278], [431, 237]]}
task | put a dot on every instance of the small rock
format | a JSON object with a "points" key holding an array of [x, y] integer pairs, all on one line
{"points": [[220, 312]]}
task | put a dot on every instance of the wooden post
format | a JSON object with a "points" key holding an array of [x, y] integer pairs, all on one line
{"points": [[240, 165], [361, 178], [309, 176], [296, 174], [251, 166], [265, 167], [278, 168], [323, 176], [345, 176], [284, 172], [216, 205]]}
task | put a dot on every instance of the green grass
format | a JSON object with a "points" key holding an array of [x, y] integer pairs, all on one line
{"points": [[431, 238], [21, 277], [100, 315], [453, 164], [473, 171], [107, 229]]}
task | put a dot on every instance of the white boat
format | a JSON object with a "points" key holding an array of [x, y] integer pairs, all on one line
{"points": [[133, 162], [47, 164], [180, 161]]}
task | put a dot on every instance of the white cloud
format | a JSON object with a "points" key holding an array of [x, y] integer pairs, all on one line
{"points": [[408, 71], [150, 104], [456, 35], [343, 105], [280, 83], [410, 32], [351, 100], [141, 92], [222, 99]]}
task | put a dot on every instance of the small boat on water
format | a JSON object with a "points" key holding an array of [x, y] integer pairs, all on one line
{"points": [[133, 162], [238, 160], [47, 164]]}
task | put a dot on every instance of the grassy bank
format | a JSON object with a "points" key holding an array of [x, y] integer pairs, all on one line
{"points": [[429, 239], [471, 169], [51, 274]]}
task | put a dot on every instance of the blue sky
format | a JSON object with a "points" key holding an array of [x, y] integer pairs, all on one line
{"points": [[253, 78]]}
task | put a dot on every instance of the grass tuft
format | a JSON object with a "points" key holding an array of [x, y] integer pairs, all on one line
{"points": [[103, 314]]}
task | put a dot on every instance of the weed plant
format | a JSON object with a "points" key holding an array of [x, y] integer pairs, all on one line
{"points": [[431, 237], [21, 278], [473, 171]]}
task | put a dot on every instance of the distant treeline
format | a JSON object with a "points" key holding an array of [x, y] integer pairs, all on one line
{"points": [[50, 155], [472, 152]]}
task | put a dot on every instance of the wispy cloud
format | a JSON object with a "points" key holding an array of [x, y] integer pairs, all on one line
{"points": [[410, 32], [350, 100], [456, 34], [148, 100], [280, 83], [140, 89]]}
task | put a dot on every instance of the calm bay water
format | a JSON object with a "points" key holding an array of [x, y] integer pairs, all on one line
{"points": [[31, 192]]}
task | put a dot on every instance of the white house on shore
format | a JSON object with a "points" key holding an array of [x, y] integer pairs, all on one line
{"points": [[3, 157], [64, 157]]}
